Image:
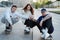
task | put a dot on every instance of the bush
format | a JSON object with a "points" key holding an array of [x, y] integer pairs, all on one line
{"points": [[37, 5], [49, 2]]}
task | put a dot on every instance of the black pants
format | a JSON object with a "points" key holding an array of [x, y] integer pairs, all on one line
{"points": [[31, 24]]}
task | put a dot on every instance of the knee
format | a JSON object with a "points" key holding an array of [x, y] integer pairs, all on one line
{"points": [[51, 30]]}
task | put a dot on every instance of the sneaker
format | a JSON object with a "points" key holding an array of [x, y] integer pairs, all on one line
{"points": [[42, 35], [46, 35], [27, 29], [8, 29]]}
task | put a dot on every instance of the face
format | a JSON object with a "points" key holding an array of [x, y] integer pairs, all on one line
{"points": [[28, 7], [13, 9], [43, 13]]}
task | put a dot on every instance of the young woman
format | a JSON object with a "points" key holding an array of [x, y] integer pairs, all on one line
{"points": [[29, 14]]}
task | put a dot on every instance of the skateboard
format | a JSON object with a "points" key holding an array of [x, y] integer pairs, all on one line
{"points": [[26, 32], [49, 38], [8, 31]]}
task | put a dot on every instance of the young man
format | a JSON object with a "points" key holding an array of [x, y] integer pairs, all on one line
{"points": [[10, 17], [45, 24]]}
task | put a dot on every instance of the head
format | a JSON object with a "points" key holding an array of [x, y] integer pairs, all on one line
{"points": [[13, 8], [28, 7], [43, 12]]}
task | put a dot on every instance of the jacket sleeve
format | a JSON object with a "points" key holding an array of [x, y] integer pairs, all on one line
{"points": [[21, 15], [47, 17]]}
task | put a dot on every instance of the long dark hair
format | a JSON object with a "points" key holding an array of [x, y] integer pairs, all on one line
{"points": [[31, 9]]}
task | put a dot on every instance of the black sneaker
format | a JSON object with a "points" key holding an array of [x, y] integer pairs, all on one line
{"points": [[8, 29], [26, 32]]}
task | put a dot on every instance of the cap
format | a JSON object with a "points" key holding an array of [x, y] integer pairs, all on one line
{"points": [[43, 10]]}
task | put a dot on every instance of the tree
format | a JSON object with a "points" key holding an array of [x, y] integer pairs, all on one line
{"points": [[58, 2], [6, 3]]}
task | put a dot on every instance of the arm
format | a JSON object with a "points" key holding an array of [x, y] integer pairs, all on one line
{"points": [[22, 16], [7, 16], [47, 17]]}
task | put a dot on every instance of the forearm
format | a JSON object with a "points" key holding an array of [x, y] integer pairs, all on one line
{"points": [[23, 16]]}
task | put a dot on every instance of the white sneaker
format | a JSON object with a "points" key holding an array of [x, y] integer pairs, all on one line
{"points": [[46, 34], [27, 29], [42, 36]]}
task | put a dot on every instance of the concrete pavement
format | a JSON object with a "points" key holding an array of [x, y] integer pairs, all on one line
{"points": [[16, 34], [18, 30]]}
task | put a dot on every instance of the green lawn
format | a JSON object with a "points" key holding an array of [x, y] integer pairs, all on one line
{"points": [[57, 12]]}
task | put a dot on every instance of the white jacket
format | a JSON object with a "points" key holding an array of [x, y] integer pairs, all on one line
{"points": [[26, 14], [8, 13]]}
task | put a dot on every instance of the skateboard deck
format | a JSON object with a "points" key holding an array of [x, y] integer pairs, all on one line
{"points": [[25, 32]]}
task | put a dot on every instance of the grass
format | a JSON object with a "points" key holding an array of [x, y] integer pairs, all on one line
{"points": [[57, 12]]}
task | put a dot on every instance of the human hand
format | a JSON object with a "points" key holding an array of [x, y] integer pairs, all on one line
{"points": [[31, 17]]}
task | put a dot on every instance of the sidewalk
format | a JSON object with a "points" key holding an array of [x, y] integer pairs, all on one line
{"points": [[16, 34], [18, 30]]}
